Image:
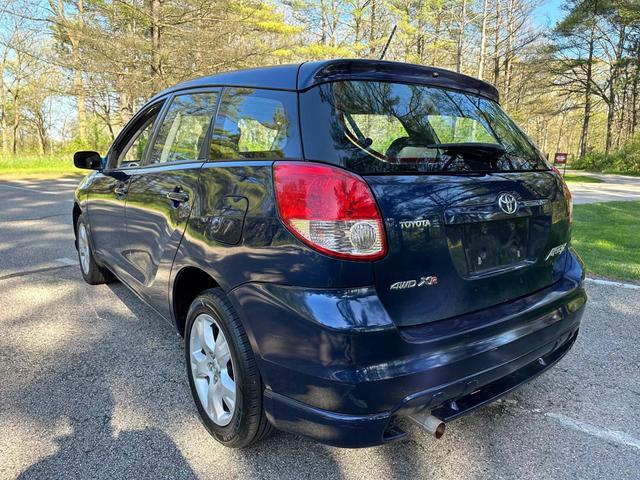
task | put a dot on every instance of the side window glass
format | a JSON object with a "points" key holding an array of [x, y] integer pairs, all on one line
{"points": [[184, 128], [255, 124], [132, 151]]}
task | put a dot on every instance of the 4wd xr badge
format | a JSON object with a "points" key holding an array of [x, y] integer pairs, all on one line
{"points": [[423, 282], [555, 251]]}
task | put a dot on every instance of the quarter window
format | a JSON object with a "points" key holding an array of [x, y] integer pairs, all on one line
{"points": [[132, 149], [255, 124], [184, 128]]}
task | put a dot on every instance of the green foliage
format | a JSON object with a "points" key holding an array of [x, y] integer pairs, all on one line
{"points": [[36, 165], [606, 237], [571, 178], [625, 160]]}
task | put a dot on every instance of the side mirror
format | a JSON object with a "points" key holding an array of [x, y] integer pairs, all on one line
{"points": [[88, 160]]}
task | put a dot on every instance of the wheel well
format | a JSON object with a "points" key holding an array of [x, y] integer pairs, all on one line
{"points": [[76, 214], [189, 283]]}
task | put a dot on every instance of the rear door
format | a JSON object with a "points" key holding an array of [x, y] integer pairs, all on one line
{"points": [[162, 191]]}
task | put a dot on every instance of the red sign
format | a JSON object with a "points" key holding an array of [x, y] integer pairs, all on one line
{"points": [[560, 158]]}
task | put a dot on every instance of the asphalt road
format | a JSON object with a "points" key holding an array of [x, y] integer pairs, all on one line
{"points": [[615, 187], [92, 385]]}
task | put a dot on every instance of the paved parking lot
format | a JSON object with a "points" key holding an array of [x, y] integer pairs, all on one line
{"points": [[614, 188], [92, 385]]}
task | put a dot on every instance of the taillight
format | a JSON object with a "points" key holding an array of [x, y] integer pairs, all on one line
{"points": [[567, 194], [329, 209]]}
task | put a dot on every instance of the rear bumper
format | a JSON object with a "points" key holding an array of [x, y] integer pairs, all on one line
{"points": [[336, 369], [355, 431]]}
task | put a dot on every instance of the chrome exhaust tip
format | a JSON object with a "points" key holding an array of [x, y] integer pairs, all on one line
{"points": [[431, 424]]}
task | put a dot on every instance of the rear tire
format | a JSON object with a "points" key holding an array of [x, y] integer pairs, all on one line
{"points": [[92, 273], [212, 323]]}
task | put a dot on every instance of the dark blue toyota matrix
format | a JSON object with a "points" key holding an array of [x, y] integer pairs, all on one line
{"points": [[343, 244]]}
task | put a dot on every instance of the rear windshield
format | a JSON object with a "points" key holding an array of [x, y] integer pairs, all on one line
{"points": [[382, 127]]}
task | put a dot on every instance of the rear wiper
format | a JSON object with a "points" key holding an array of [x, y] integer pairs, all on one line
{"points": [[469, 146]]}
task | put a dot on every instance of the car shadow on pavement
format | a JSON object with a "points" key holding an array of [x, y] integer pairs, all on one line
{"points": [[94, 450], [71, 399]]}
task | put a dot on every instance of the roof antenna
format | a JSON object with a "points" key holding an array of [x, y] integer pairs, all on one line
{"points": [[393, 31]]}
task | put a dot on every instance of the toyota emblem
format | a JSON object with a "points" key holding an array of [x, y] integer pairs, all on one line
{"points": [[507, 203]]}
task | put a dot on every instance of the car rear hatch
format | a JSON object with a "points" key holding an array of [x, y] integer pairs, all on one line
{"points": [[474, 216], [458, 243]]}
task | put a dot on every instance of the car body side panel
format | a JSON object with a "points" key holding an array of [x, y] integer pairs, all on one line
{"points": [[266, 251]]}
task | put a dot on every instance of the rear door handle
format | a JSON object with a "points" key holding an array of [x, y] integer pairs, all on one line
{"points": [[178, 196]]}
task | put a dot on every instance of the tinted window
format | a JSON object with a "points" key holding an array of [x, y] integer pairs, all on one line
{"points": [[255, 124], [130, 150], [184, 128], [391, 127]]}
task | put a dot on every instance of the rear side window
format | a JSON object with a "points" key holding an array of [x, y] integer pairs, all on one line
{"points": [[385, 127], [256, 124], [184, 128]]}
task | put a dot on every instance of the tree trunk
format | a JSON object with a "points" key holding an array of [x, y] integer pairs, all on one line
{"points": [[323, 22], [126, 107], [16, 124], [634, 99], [611, 103], [461, 27], [156, 57], [610, 112], [3, 105], [623, 118], [508, 54], [372, 26], [42, 135], [483, 39], [560, 131], [334, 23], [357, 19], [78, 84], [587, 93], [78, 88], [496, 48], [438, 24]]}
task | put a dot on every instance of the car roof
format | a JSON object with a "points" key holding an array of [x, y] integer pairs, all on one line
{"points": [[302, 76]]}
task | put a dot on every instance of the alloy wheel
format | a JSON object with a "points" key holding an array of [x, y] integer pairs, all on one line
{"points": [[212, 369], [83, 248]]}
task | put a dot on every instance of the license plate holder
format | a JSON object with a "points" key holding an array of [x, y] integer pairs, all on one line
{"points": [[491, 245]]}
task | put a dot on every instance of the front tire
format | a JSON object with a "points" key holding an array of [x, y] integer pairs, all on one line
{"points": [[92, 273], [223, 374]]}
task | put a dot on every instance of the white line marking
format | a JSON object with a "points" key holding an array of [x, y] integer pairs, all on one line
{"points": [[66, 261], [614, 436], [597, 281]]}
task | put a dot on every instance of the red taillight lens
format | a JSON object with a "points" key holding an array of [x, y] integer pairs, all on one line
{"points": [[329, 209], [567, 194]]}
